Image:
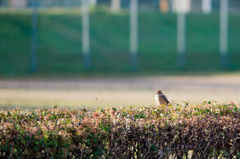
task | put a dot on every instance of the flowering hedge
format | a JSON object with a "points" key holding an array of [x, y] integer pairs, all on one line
{"points": [[208, 130]]}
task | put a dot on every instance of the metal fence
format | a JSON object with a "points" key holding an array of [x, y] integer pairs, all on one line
{"points": [[180, 7], [196, 5]]}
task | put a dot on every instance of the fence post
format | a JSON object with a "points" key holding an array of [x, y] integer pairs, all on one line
{"points": [[34, 37], [207, 6], [134, 33], [85, 34], [115, 5], [224, 32], [181, 35]]}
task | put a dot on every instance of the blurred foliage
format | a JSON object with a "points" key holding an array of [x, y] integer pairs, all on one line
{"points": [[59, 42], [209, 129]]}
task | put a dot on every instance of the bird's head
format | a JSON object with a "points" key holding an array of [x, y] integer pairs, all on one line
{"points": [[159, 92]]}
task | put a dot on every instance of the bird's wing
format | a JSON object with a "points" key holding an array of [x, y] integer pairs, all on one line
{"points": [[164, 98]]}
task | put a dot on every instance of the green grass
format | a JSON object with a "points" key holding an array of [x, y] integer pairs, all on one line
{"points": [[60, 43]]}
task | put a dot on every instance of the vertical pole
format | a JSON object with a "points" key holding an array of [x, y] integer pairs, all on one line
{"points": [[34, 37], [85, 34], [224, 32], [181, 35], [206, 6], [134, 33], [115, 5]]}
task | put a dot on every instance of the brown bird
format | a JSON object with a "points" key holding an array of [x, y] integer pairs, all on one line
{"points": [[160, 98]]}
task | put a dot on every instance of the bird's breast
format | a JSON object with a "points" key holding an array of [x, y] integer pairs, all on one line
{"points": [[157, 99]]}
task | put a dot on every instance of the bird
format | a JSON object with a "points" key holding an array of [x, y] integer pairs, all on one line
{"points": [[160, 98]]}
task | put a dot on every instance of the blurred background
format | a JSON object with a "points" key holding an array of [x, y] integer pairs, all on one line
{"points": [[99, 53]]}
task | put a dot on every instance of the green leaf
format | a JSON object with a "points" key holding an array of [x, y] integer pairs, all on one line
{"points": [[68, 121], [95, 140], [114, 109], [97, 152]]}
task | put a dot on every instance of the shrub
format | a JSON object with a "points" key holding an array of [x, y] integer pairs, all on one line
{"points": [[179, 130]]}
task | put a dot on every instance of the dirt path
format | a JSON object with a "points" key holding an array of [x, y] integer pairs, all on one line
{"points": [[101, 92]]}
